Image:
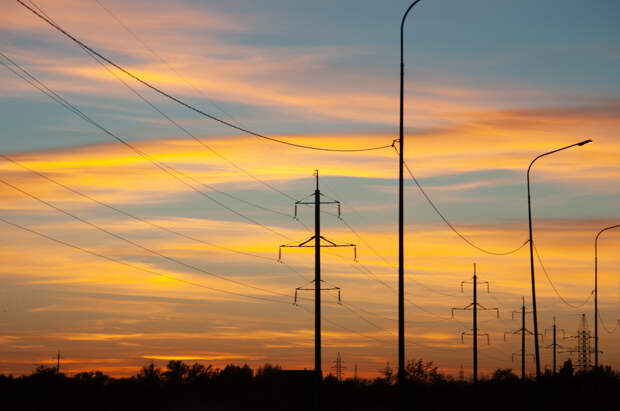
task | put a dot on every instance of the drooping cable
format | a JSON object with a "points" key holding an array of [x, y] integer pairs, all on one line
{"points": [[607, 330], [130, 215], [136, 244], [41, 87], [176, 174], [187, 105], [445, 220], [137, 267], [575, 306]]}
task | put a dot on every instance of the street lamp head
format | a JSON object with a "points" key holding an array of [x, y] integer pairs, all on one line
{"points": [[584, 142]]}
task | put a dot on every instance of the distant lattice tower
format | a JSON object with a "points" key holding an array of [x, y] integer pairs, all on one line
{"points": [[339, 367], [583, 345]]}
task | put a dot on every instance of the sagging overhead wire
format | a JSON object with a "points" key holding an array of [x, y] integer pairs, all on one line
{"points": [[176, 174], [445, 220], [154, 53], [135, 244], [362, 267], [128, 214], [187, 105], [200, 141], [59, 99], [137, 267], [607, 330], [189, 282], [575, 306]]}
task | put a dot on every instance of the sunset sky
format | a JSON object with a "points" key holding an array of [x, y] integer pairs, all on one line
{"points": [[489, 86]]}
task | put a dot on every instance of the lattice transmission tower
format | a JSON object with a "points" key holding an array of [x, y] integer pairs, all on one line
{"points": [[338, 366]]}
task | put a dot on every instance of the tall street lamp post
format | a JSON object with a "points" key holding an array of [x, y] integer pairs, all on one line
{"points": [[596, 292], [529, 214], [401, 251]]}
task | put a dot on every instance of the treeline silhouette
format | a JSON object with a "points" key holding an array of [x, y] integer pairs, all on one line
{"points": [[182, 386]]}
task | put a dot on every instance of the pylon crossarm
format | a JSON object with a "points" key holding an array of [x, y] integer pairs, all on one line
{"points": [[302, 200], [307, 241], [329, 241]]}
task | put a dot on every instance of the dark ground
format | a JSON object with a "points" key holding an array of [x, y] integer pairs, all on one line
{"points": [[183, 387]]}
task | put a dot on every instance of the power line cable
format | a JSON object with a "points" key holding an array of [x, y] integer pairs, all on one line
{"points": [[162, 166], [370, 247], [74, 109], [200, 141], [130, 215], [147, 270], [137, 267], [607, 330], [187, 105], [554, 287], [135, 244], [157, 55], [445, 220]]}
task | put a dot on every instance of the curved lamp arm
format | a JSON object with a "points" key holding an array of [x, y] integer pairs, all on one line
{"points": [[582, 143]]}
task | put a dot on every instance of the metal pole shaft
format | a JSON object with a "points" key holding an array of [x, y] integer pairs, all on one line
{"points": [[475, 329], [401, 218], [554, 346], [596, 303], [317, 292], [523, 341], [534, 313]]}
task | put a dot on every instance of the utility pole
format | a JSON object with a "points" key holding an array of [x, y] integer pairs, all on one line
{"points": [[554, 345], [523, 331], [316, 239], [355, 372], [339, 367], [474, 306], [58, 363]]}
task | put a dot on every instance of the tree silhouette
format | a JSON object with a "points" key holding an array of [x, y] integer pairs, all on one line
{"points": [[149, 374], [422, 372], [504, 375], [177, 371], [567, 368]]}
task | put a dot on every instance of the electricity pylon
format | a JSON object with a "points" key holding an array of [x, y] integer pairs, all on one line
{"points": [[339, 367], [555, 345], [584, 350], [315, 242], [474, 307], [523, 331]]}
